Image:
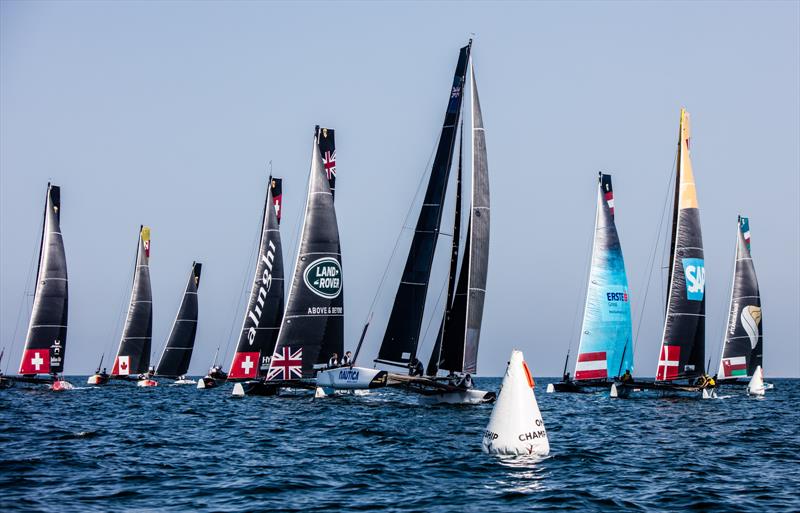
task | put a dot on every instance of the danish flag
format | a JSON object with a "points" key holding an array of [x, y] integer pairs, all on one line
{"points": [[668, 363], [285, 364]]}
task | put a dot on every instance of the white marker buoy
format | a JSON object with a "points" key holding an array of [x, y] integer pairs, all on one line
{"points": [[516, 425], [756, 385]]}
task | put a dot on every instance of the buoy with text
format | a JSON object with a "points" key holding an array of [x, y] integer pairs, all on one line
{"points": [[516, 425]]}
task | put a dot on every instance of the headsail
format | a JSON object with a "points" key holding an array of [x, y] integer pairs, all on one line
{"points": [[262, 319], [742, 350], [683, 342], [401, 338], [133, 355], [177, 353], [47, 332], [462, 328], [313, 324], [606, 348]]}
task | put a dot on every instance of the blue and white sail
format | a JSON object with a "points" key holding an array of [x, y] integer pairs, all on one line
{"points": [[606, 348]]}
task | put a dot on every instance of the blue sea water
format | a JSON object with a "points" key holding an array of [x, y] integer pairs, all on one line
{"points": [[179, 449]]}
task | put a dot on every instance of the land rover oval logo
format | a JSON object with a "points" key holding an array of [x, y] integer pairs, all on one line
{"points": [[324, 277]]}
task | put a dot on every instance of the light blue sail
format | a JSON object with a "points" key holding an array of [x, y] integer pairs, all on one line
{"points": [[606, 344]]}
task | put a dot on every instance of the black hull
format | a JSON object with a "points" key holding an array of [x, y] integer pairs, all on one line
{"points": [[5, 383], [210, 382], [260, 388], [577, 387], [663, 389]]}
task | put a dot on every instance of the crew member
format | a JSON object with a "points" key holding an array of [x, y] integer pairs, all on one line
{"points": [[415, 367], [627, 376], [347, 359], [333, 361]]}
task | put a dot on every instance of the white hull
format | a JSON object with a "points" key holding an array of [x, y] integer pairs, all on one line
{"points": [[96, 380], [147, 383], [460, 397], [351, 378], [184, 382], [238, 389]]}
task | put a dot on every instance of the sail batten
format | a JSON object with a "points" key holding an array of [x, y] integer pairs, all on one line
{"points": [[742, 349], [45, 342], [177, 354], [682, 351], [266, 304]]}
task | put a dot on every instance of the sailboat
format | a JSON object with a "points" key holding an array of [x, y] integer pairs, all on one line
{"points": [[456, 346], [312, 328], [133, 354], [681, 357], [264, 311], [174, 361], [46, 341], [742, 347], [606, 347]]}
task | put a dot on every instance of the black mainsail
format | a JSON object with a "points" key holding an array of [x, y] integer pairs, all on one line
{"points": [[133, 355], [742, 350], [313, 323], [262, 319], [47, 332], [327, 149], [683, 342], [177, 353], [462, 324], [401, 339]]}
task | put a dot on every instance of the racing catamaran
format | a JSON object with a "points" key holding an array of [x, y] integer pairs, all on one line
{"points": [[174, 361]]}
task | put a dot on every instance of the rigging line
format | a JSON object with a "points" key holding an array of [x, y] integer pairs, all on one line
{"points": [[724, 318], [22, 303], [656, 243], [576, 328], [120, 311], [432, 317]]}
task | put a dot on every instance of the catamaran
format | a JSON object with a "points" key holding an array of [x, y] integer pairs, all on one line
{"points": [[681, 358], [456, 347], [133, 355], [743, 344], [174, 361], [605, 350], [264, 311], [312, 327], [46, 341]]}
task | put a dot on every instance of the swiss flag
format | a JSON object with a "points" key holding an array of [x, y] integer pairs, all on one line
{"points": [[122, 366], [245, 365], [35, 361]]}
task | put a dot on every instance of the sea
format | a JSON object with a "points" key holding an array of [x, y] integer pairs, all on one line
{"points": [[179, 449]]}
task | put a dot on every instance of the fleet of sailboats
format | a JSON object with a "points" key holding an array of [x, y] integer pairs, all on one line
{"points": [[296, 342]]}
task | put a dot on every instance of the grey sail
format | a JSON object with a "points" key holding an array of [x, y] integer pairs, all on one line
{"points": [[47, 333], [313, 323], [133, 355], [175, 359], [462, 327]]}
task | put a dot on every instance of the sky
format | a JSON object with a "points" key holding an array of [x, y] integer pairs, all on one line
{"points": [[168, 113]]}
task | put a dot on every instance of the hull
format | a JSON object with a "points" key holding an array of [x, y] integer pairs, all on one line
{"points": [[184, 382], [351, 378], [147, 383], [97, 380], [577, 387], [257, 388], [60, 385], [5, 383], [666, 390], [209, 382], [458, 397]]}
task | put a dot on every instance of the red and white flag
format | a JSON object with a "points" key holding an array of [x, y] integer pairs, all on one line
{"points": [[122, 366], [668, 363], [35, 361], [591, 366], [286, 364], [244, 366]]}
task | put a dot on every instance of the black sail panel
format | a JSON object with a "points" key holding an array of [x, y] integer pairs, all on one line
{"points": [[401, 338], [313, 327], [327, 149], [46, 341], [682, 352], [452, 353], [177, 353], [262, 319], [742, 350], [133, 355]]}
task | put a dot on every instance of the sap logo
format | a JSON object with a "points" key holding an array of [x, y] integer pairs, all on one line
{"points": [[695, 272], [617, 296], [348, 375]]}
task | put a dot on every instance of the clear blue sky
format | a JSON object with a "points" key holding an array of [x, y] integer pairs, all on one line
{"points": [[167, 113]]}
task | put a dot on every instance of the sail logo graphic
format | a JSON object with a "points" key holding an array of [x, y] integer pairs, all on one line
{"points": [[254, 314], [695, 272], [324, 277]]}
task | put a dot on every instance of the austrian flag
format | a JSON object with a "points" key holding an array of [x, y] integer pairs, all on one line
{"points": [[668, 363], [286, 364], [591, 366]]}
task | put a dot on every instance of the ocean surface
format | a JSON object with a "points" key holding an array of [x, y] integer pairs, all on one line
{"points": [[176, 448]]}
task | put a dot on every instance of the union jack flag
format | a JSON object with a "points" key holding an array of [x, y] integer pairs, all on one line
{"points": [[455, 92], [329, 162], [286, 364]]}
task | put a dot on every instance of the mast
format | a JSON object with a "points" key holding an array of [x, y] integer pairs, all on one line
{"points": [[133, 355], [177, 353], [682, 353], [313, 323], [262, 318], [742, 349], [401, 339], [606, 329], [46, 340]]}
